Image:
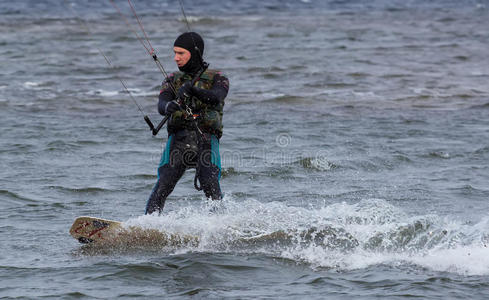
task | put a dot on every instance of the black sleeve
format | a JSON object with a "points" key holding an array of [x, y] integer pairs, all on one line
{"points": [[166, 95], [217, 93]]}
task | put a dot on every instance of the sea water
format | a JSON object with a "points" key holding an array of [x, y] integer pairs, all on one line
{"points": [[355, 150]]}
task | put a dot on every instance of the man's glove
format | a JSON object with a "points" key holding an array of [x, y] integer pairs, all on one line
{"points": [[172, 107], [186, 90]]}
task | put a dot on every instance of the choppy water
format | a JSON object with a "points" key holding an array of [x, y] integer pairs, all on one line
{"points": [[355, 151]]}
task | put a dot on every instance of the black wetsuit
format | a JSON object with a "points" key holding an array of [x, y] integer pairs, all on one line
{"points": [[188, 148]]}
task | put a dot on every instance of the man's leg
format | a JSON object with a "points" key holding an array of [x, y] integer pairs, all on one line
{"points": [[210, 168], [170, 170]]}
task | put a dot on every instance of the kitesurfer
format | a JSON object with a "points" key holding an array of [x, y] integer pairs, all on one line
{"points": [[194, 99]]}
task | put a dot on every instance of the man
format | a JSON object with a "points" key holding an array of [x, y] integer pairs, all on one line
{"points": [[194, 101]]}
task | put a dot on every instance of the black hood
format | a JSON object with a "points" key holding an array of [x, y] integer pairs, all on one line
{"points": [[194, 43]]}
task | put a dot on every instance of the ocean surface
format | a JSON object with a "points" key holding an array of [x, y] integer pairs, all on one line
{"points": [[355, 150]]}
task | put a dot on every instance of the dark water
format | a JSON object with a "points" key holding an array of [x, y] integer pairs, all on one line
{"points": [[359, 131]]}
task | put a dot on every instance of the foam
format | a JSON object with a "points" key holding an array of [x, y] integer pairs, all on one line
{"points": [[341, 235], [103, 93], [31, 84]]}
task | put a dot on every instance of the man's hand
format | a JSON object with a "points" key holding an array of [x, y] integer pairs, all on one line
{"points": [[186, 90], [172, 107]]}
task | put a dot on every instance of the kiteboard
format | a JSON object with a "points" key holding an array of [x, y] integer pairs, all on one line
{"points": [[91, 230]]}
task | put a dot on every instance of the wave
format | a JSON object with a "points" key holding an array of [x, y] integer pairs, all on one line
{"points": [[202, 20], [16, 196], [339, 236], [482, 150], [226, 172], [103, 93], [38, 84], [440, 154], [317, 163], [80, 190], [112, 93], [480, 106], [288, 99]]}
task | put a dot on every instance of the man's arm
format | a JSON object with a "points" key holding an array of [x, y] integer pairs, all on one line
{"points": [[166, 95], [216, 94]]}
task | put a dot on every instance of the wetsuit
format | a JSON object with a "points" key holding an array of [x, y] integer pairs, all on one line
{"points": [[187, 147]]}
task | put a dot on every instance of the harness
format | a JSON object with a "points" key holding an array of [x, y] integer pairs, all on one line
{"points": [[192, 117]]}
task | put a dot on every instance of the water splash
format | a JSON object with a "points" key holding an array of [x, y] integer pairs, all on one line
{"points": [[342, 236]]}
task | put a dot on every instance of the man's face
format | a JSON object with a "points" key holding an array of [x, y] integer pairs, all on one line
{"points": [[182, 56]]}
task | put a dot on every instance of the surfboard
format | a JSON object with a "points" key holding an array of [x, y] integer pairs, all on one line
{"points": [[89, 229]]}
